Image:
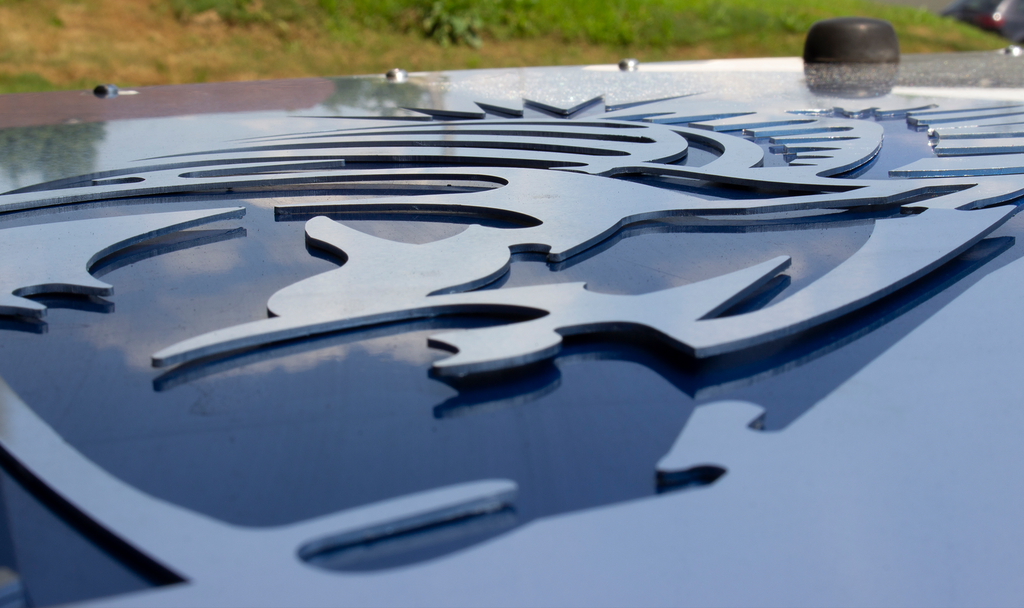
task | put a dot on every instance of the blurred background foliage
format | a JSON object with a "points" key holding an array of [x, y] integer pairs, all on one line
{"points": [[656, 23], [54, 44]]}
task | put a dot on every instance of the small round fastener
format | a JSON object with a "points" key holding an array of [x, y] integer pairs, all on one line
{"points": [[629, 65], [397, 75], [105, 91], [852, 40]]}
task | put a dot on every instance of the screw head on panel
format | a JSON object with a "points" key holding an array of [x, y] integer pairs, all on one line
{"points": [[629, 65], [397, 75], [105, 91]]}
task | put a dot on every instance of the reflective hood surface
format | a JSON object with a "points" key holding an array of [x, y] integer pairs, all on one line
{"points": [[736, 332]]}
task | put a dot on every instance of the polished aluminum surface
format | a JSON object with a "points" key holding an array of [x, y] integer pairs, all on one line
{"points": [[56, 258], [839, 378]]}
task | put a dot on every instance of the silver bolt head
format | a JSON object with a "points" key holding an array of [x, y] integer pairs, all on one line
{"points": [[105, 91], [1013, 50], [629, 65], [397, 75]]}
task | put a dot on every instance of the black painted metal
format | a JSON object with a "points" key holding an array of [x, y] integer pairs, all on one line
{"points": [[852, 40]]}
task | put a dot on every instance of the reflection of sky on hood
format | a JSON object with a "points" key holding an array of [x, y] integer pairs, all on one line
{"points": [[270, 438], [126, 143], [350, 419], [629, 268]]}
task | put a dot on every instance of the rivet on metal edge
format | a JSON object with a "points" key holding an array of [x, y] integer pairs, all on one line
{"points": [[629, 65], [397, 75], [105, 91], [1013, 50]]}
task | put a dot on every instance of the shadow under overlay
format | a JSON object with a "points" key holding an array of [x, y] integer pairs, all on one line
{"points": [[741, 375], [729, 376], [215, 364], [787, 377]]}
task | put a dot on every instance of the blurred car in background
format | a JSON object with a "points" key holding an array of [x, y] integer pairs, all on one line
{"points": [[1005, 17]]}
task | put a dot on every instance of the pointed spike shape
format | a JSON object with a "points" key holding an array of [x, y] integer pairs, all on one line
{"points": [[574, 310], [713, 433], [56, 257], [456, 111], [401, 273], [15, 305], [676, 110], [501, 110], [401, 276], [560, 110]]}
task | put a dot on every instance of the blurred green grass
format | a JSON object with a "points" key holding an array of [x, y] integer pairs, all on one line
{"points": [[60, 44], [653, 23]]}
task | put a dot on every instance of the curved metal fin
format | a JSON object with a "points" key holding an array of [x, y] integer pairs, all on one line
{"points": [[56, 257]]}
